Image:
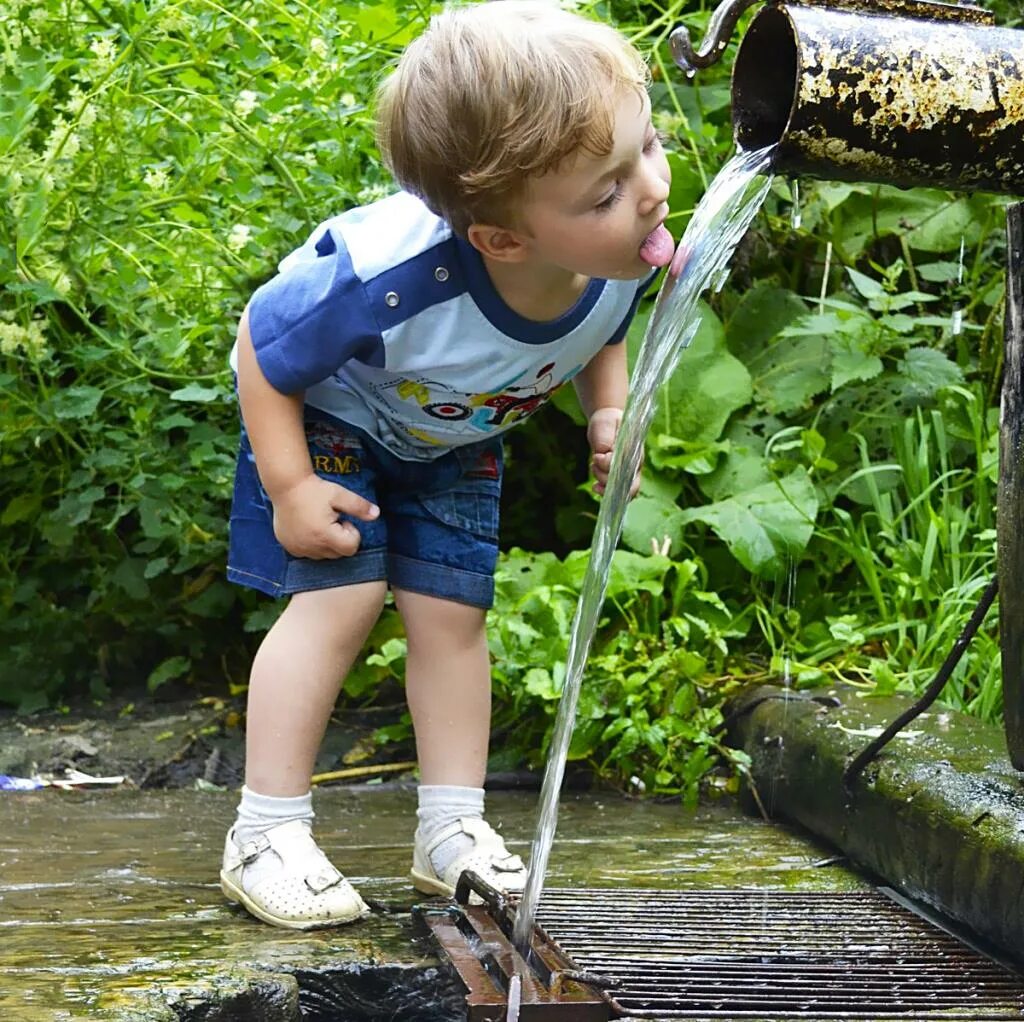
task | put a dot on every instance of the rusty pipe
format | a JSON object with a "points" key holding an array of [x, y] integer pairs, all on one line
{"points": [[905, 92]]}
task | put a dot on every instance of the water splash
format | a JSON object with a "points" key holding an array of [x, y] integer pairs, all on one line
{"points": [[718, 223]]}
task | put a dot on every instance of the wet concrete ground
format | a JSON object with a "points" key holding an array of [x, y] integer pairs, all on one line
{"points": [[109, 899]]}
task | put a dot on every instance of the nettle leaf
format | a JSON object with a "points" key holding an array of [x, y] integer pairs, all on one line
{"points": [[762, 312], [743, 466], [850, 362], [631, 571], [672, 453], [791, 371], [893, 303], [77, 402], [196, 392], [167, 670], [20, 508], [939, 273], [867, 287], [928, 370], [649, 520], [766, 527], [538, 682], [929, 219], [707, 387]]}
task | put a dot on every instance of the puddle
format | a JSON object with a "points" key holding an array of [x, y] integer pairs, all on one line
{"points": [[109, 902]]}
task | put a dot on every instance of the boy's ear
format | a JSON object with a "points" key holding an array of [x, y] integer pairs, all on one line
{"points": [[498, 243]]}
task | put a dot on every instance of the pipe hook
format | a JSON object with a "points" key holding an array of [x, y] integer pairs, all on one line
{"points": [[720, 28]]}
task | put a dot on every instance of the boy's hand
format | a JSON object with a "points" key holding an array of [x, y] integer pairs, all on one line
{"points": [[601, 432], [306, 518]]}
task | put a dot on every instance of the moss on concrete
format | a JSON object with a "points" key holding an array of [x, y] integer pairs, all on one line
{"points": [[939, 815]]}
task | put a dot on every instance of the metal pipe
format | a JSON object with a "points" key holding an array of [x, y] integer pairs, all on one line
{"points": [[933, 97], [1010, 499]]}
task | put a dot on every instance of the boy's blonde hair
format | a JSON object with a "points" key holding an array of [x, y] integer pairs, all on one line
{"points": [[492, 94]]}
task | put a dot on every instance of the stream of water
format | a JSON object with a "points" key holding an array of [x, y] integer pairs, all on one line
{"points": [[715, 229]]}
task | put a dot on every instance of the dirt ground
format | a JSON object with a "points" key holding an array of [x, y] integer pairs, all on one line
{"points": [[184, 742]]}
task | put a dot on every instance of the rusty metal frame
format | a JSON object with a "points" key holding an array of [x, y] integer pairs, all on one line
{"points": [[477, 940]]}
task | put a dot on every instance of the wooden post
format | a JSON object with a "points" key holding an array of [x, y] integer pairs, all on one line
{"points": [[1010, 509]]}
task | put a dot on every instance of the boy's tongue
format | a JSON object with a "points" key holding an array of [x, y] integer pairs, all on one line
{"points": [[658, 247]]}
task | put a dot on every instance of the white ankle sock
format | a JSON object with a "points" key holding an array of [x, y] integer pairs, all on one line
{"points": [[258, 813], [440, 805]]}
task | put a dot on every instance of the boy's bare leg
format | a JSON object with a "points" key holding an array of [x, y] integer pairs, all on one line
{"points": [[448, 687], [271, 863], [295, 680]]}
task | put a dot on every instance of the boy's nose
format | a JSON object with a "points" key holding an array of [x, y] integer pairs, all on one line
{"points": [[656, 190]]}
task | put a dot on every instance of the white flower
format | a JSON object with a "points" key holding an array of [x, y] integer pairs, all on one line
{"points": [[72, 146], [318, 47], [75, 101], [348, 99], [246, 103], [156, 178], [239, 237], [62, 284], [103, 50], [14, 338]]}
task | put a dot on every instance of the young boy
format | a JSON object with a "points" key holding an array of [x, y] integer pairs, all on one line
{"points": [[376, 374]]}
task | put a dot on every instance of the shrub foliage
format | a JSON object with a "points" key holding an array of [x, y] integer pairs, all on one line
{"points": [[820, 483]]}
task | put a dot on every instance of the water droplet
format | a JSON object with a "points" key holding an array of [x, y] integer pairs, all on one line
{"points": [[957, 323], [691, 73]]}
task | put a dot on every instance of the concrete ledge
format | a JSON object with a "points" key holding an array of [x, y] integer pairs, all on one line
{"points": [[939, 815]]}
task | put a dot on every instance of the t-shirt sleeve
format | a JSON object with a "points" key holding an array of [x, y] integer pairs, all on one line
{"points": [[619, 335], [312, 317]]}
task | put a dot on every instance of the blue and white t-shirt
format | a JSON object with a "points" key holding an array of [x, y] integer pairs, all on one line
{"points": [[389, 321]]}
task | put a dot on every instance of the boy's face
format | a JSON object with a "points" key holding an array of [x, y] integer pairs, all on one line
{"points": [[602, 216]]}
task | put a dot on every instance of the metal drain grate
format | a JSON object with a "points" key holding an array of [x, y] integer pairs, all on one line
{"points": [[766, 955]]}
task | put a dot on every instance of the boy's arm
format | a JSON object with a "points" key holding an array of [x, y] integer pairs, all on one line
{"points": [[306, 507], [602, 385]]}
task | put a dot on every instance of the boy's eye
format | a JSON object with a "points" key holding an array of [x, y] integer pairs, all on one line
{"points": [[655, 141], [606, 204]]}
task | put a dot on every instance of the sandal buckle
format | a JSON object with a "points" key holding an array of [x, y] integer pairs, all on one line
{"points": [[252, 850]]}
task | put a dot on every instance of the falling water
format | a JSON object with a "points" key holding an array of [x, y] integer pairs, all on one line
{"points": [[797, 216], [718, 223], [956, 326]]}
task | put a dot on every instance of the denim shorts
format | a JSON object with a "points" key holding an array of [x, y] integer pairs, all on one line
{"points": [[437, 532]]}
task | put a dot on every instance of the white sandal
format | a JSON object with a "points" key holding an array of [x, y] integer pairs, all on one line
{"points": [[304, 893], [488, 857]]}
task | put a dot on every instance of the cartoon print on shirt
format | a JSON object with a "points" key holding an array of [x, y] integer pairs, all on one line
{"points": [[473, 414]]}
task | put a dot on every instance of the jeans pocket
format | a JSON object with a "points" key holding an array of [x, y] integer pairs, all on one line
{"points": [[472, 509]]}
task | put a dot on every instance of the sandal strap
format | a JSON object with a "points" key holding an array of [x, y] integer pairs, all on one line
{"points": [[324, 880], [323, 875], [487, 843]]}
